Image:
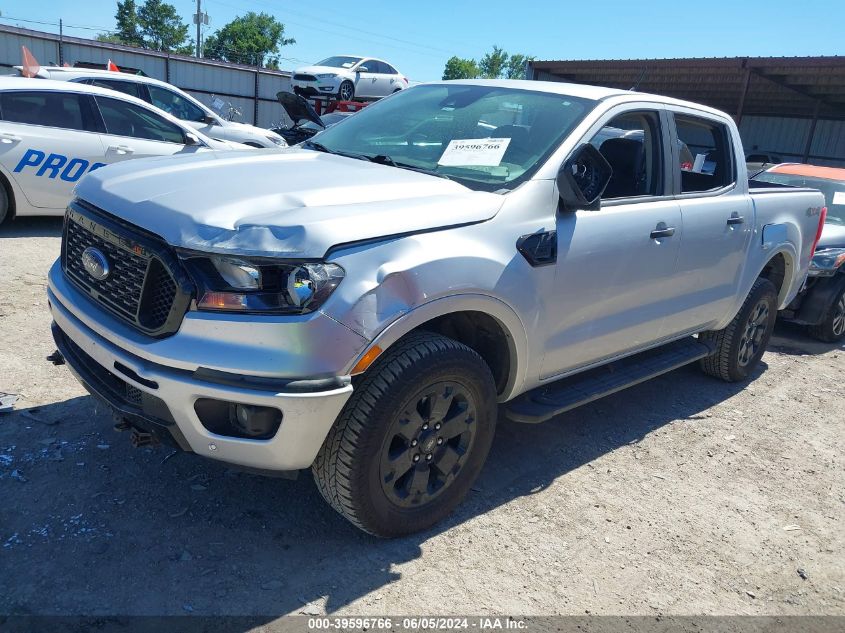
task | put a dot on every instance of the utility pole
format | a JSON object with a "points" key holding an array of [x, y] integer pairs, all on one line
{"points": [[200, 19], [199, 28], [61, 44]]}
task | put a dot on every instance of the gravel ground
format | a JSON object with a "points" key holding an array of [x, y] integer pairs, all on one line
{"points": [[683, 495]]}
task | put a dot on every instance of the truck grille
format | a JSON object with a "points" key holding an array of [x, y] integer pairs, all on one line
{"points": [[144, 287]]}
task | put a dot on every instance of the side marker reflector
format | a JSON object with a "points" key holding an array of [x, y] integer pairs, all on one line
{"points": [[366, 360]]}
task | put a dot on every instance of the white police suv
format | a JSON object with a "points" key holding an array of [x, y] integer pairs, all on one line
{"points": [[53, 133], [169, 98]]}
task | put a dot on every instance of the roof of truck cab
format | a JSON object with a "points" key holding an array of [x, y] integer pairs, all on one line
{"points": [[583, 91], [810, 171]]}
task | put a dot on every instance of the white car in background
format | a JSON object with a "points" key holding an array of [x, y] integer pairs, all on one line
{"points": [[348, 77], [53, 133], [170, 99]]}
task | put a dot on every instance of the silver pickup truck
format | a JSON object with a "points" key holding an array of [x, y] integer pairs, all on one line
{"points": [[362, 304]]}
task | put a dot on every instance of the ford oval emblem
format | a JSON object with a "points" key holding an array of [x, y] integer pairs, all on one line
{"points": [[95, 263]]}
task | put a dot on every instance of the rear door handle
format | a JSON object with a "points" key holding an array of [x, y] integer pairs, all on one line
{"points": [[735, 218], [7, 137], [121, 149], [661, 230]]}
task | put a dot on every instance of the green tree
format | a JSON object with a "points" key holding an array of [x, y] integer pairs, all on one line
{"points": [[162, 28], [127, 23], [458, 68], [515, 68], [493, 65], [111, 38], [255, 38]]}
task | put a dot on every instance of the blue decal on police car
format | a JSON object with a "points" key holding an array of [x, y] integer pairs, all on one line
{"points": [[53, 165]]}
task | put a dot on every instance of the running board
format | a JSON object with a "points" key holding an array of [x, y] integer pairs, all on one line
{"points": [[547, 401]]}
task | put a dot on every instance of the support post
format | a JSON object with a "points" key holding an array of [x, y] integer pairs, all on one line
{"points": [[812, 131], [255, 102], [746, 79]]}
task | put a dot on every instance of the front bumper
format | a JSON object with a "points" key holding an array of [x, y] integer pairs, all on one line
{"points": [[162, 395], [321, 87]]}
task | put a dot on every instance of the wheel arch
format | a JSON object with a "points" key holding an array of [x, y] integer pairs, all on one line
{"points": [[486, 324], [6, 183], [780, 270]]}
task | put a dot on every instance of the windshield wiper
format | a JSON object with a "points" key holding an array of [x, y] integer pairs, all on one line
{"points": [[317, 146], [384, 159], [322, 148]]}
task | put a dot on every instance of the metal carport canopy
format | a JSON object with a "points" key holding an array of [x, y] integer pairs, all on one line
{"points": [[767, 86]]}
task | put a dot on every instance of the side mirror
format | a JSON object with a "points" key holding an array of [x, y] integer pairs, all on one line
{"points": [[192, 139], [362, 69], [210, 120], [583, 178]]}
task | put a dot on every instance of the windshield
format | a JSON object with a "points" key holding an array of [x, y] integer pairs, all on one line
{"points": [[339, 61], [485, 137], [833, 191]]}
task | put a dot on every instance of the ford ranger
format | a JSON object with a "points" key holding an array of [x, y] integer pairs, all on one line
{"points": [[363, 303]]}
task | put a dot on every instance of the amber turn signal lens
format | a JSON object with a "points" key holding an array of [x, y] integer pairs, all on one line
{"points": [[366, 360]]}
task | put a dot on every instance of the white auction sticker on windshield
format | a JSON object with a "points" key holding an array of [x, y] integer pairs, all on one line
{"points": [[476, 152], [839, 197]]}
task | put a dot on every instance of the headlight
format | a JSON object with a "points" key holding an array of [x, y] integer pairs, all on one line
{"points": [[827, 261], [278, 140], [261, 285], [326, 76]]}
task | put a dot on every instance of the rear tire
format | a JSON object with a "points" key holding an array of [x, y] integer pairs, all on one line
{"points": [[832, 328], [742, 343], [412, 439]]}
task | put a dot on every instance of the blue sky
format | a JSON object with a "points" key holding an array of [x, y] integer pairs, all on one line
{"points": [[419, 37]]}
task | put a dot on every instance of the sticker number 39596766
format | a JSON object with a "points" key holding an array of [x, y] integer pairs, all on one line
{"points": [[481, 152]]}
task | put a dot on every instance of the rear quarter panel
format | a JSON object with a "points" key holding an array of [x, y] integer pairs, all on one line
{"points": [[786, 222]]}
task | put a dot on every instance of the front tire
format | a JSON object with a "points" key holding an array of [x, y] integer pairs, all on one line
{"points": [[740, 346], [832, 327], [346, 91], [4, 204], [412, 439]]}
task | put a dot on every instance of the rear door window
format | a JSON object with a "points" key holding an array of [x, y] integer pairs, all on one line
{"points": [[128, 119], [53, 109], [705, 154], [175, 104], [133, 89]]}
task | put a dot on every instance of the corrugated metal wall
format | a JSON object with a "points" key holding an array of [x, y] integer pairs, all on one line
{"points": [[788, 138], [201, 78]]}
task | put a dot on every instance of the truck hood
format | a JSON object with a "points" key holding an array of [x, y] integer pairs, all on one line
{"points": [[293, 203], [298, 109]]}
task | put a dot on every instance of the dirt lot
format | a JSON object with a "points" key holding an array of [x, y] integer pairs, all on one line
{"points": [[681, 496]]}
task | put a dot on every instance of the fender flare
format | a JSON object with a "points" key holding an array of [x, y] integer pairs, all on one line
{"points": [[787, 290], [503, 313]]}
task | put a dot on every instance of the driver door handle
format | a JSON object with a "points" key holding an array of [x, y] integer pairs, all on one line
{"points": [[121, 149], [735, 218], [8, 137], [661, 230]]}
